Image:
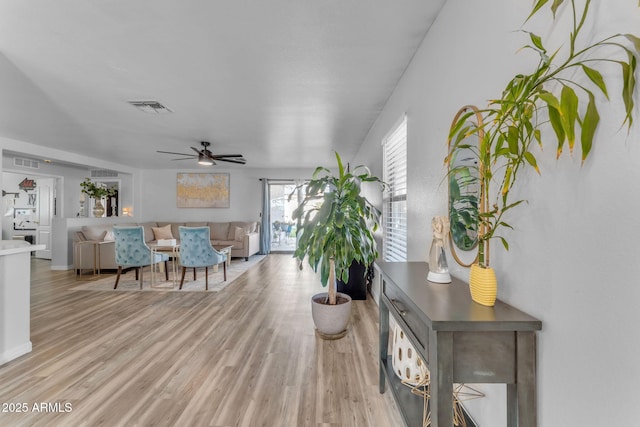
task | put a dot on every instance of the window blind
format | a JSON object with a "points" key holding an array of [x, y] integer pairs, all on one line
{"points": [[394, 211]]}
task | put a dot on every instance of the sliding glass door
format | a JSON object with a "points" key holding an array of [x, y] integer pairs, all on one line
{"points": [[283, 229]]}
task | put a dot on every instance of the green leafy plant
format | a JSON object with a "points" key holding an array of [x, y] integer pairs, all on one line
{"points": [[96, 190], [558, 94], [336, 223]]}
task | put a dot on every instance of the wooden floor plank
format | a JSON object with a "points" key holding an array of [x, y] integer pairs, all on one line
{"points": [[244, 356]]}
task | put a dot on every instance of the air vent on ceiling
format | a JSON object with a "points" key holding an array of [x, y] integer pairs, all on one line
{"points": [[103, 173], [151, 107], [26, 163]]}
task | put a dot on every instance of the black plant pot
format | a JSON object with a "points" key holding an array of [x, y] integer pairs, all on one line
{"points": [[356, 287]]}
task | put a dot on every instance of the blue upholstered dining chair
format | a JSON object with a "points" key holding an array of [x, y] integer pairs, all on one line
{"points": [[196, 251], [133, 252]]}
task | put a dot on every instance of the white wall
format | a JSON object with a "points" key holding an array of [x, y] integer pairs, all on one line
{"points": [[573, 257], [158, 198]]}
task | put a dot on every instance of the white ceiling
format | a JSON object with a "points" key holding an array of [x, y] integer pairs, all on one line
{"points": [[283, 82]]}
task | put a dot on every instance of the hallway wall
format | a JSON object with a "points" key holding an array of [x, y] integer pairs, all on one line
{"points": [[572, 258]]}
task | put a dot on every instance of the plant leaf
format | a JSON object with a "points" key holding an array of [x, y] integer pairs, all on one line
{"points": [[512, 139], [537, 135], [569, 114], [589, 126], [629, 82], [537, 7], [537, 41], [554, 7], [596, 78], [556, 123], [504, 242], [507, 180], [340, 166], [550, 99], [633, 39], [530, 158]]}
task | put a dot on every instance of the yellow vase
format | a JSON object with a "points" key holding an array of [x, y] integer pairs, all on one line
{"points": [[483, 285]]}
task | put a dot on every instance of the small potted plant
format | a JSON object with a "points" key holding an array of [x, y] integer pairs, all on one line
{"points": [[558, 94], [96, 191], [335, 229]]}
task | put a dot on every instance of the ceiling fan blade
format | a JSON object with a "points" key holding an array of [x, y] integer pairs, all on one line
{"points": [[171, 152], [218, 156], [185, 158], [196, 150], [239, 161]]}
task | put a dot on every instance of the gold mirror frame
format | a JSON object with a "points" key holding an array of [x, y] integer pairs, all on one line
{"points": [[480, 134]]}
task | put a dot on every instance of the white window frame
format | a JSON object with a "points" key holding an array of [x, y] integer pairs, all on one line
{"points": [[394, 199]]}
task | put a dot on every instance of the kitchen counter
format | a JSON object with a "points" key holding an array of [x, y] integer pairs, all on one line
{"points": [[15, 293]]}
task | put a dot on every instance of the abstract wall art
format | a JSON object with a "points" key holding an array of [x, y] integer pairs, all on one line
{"points": [[202, 190]]}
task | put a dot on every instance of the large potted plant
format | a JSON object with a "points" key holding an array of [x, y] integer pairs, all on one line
{"points": [[335, 229], [559, 94]]}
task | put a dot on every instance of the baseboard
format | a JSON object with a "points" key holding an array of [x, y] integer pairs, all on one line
{"points": [[61, 267], [13, 353]]}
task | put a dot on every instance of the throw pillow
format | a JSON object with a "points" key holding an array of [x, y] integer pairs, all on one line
{"points": [[162, 232], [95, 233], [240, 233], [109, 237]]}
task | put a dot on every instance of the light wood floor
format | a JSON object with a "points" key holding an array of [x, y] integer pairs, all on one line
{"points": [[245, 356]]}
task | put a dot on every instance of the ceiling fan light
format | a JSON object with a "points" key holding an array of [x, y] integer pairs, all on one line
{"points": [[204, 161]]}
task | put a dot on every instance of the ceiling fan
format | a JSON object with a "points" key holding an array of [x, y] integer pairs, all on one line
{"points": [[206, 157]]}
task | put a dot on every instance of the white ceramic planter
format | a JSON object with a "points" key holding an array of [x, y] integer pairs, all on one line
{"points": [[331, 320]]}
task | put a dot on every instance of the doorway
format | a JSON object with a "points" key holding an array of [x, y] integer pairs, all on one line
{"points": [[283, 229], [45, 213], [29, 206]]}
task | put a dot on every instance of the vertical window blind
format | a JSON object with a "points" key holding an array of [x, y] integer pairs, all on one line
{"points": [[394, 201]]}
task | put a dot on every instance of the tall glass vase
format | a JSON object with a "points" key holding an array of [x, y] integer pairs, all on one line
{"points": [[98, 209]]}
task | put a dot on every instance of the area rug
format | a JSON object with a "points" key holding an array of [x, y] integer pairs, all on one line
{"points": [[128, 282]]}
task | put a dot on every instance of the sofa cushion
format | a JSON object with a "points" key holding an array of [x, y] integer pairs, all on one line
{"points": [[148, 230], [174, 228], [196, 224], [232, 229], [219, 230], [162, 232], [96, 233]]}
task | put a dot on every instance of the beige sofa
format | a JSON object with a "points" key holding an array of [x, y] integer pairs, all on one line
{"points": [[242, 236]]}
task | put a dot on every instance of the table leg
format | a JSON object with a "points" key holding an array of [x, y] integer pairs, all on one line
{"points": [[383, 328], [526, 379], [78, 249], [512, 405], [151, 267], [98, 255], [441, 367]]}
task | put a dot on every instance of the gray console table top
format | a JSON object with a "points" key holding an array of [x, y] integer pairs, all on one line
{"points": [[448, 306]]}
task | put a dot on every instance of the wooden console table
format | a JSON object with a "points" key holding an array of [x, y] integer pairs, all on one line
{"points": [[461, 342]]}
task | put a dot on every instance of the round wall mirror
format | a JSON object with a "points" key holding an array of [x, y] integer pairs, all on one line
{"points": [[464, 184]]}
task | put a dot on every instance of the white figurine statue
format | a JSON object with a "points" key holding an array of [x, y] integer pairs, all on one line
{"points": [[438, 268]]}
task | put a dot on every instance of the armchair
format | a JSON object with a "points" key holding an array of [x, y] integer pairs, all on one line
{"points": [[132, 251], [196, 251]]}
